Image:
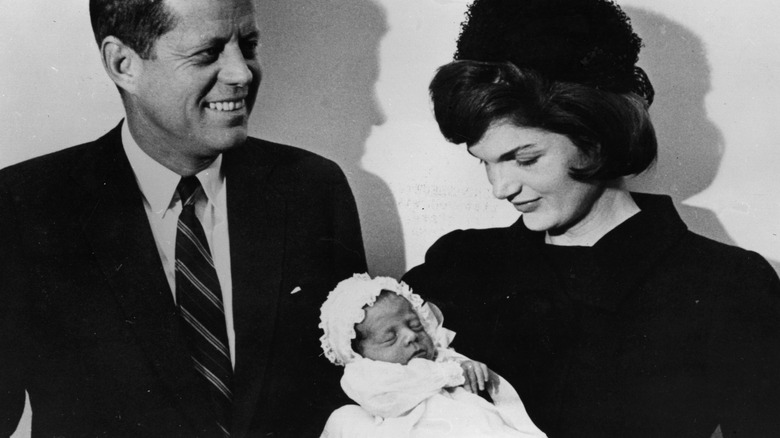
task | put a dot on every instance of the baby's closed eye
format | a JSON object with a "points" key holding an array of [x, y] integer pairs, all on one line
{"points": [[415, 325]]}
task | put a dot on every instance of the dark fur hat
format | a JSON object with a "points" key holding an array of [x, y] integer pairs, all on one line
{"points": [[584, 41]]}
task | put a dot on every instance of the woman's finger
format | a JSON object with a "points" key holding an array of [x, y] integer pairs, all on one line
{"points": [[492, 381], [482, 375], [472, 378]]}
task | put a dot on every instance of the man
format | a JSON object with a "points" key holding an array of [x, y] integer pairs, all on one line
{"points": [[165, 279]]}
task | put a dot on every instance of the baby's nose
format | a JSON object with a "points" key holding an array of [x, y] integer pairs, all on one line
{"points": [[409, 336]]}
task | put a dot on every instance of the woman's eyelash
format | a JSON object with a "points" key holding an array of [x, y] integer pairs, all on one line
{"points": [[520, 161], [527, 161]]}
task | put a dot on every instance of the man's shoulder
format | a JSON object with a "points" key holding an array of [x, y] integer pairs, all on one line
{"points": [[283, 153], [285, 160], [53, 166]]}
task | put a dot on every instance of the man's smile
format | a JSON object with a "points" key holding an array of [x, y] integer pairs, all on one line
{"points": [[227, 105]]}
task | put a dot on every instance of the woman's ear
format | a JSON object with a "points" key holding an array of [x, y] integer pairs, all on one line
{"points": [[121, 62]]}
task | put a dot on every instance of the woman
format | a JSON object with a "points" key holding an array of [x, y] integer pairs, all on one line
{"points": [[605, 312]]}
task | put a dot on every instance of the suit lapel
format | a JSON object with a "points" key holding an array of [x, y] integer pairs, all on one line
{"points": [[256, 224], [118, 230]]}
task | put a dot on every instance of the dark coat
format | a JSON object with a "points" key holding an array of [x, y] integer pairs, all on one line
{"points": [[88, 325], [654, 331]]}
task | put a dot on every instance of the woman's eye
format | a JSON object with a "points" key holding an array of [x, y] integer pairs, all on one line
{"points": [[527, 161]]}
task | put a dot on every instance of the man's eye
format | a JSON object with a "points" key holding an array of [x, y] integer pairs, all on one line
{"points": [[210, 55], [249, 49]]}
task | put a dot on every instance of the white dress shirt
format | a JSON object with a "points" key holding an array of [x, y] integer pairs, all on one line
{"points": [[162, 205]]}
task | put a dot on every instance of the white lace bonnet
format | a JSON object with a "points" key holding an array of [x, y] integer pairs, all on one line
{"points": [[344, 308]]}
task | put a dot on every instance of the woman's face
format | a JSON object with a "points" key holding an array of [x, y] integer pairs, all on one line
{"points": [[530, 168]]}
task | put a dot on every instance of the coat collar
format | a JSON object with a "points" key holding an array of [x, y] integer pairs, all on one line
{"points": [[116, 226], [621, 259]]}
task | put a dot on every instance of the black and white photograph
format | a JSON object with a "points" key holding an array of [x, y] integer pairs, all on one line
{"points": [[389, 218]]}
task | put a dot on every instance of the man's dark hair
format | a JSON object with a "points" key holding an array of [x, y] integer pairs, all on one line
{"points": [[137, 23]]}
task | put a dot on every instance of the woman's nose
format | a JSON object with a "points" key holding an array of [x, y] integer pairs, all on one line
{"points": [[505, 183]]}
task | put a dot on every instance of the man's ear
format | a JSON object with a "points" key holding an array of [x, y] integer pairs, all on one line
{"points": [[122, 63]]}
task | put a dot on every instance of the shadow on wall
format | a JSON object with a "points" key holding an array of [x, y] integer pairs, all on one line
{"points": [[320, 64], [690, 146]]}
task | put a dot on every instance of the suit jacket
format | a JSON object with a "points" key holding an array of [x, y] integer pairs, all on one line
{"points": [[88, 325], [652, 332]]}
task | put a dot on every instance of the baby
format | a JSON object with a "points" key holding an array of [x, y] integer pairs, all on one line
{"points": [[400, 370]]}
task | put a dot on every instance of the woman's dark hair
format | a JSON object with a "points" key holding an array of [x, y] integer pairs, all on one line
{"points": [[612, 130], [137, 23], [589, 42]]}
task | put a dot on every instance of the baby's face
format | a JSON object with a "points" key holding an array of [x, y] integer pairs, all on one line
{"points": [[392, 332]]}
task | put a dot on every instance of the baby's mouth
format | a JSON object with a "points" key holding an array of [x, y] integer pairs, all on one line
{"points": [[420, 353]]}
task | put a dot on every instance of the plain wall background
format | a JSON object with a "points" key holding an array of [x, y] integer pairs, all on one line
{"points": [[348, 79]]}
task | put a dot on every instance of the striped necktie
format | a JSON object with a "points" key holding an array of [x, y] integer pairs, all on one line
{"points": [[199, 300]]}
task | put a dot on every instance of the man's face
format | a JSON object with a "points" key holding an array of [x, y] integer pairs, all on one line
{"points": [[196, 91]]}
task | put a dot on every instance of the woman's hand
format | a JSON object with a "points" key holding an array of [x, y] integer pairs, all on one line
{"points": [[477, 376]]}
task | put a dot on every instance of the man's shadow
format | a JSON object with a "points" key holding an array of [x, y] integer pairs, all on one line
{"points": [[690, 146], [320, 64]]}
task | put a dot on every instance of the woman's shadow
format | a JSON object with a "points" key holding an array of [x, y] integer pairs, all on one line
{"points": [[690, 146], [320, 64]]}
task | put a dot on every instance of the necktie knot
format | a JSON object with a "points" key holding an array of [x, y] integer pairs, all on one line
{"points": [[187, 188]]}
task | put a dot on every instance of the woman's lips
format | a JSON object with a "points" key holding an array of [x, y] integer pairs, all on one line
{"points": [[527, 206]]}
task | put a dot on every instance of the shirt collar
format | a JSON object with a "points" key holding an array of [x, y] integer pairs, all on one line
{"points": [[158, 183]]}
